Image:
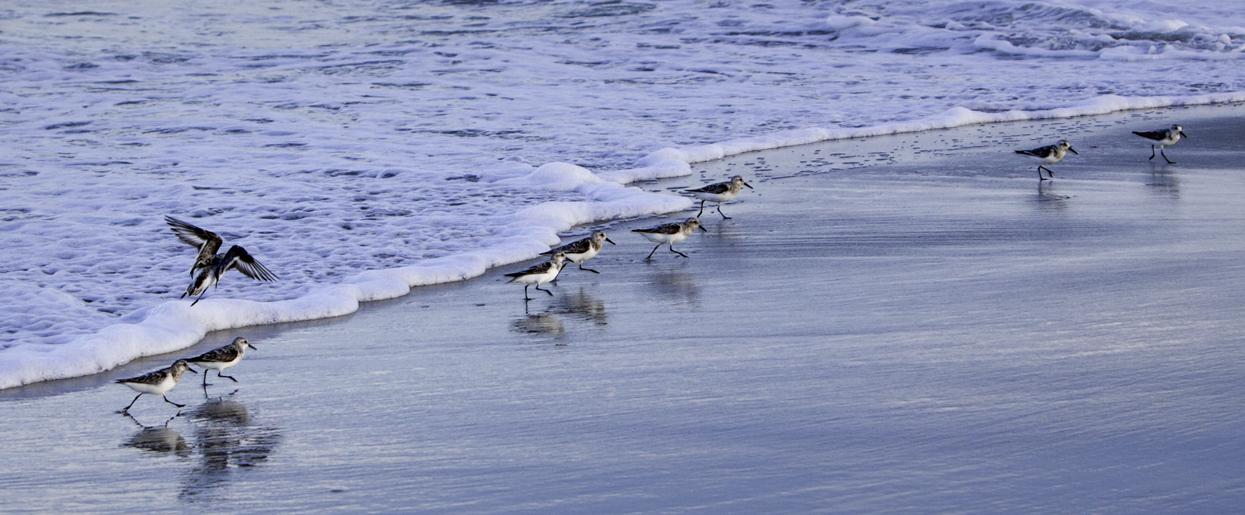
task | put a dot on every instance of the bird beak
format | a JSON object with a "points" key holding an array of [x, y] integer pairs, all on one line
{"points": [[191, 370], [1074, 151], [702, 228], [749, 186], [1182, 134], [611, 241], [248, 344]]}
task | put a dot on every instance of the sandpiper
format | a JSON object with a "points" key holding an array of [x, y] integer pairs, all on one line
{"points": [[157, 383], [719, 192], [1163, 138], [1049, 155], [236, 258], [222, 358], [669, 233], [539, 274], [582, 250], [206, 241]]}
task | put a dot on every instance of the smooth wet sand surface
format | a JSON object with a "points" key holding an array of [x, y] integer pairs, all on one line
{"points": [[936, 332]]}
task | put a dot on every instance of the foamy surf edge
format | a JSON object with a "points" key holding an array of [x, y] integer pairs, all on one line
{"points": [[174, 325]]}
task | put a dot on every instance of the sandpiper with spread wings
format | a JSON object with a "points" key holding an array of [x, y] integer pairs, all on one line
{"points": [[157, 383], [1049, 155], [1163, 138], [539, 274], [579, 251], [221, 358], [236, 259], [669, 233], [719, 192]]}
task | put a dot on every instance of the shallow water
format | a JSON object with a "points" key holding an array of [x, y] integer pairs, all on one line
{"points": [[942, 334]]}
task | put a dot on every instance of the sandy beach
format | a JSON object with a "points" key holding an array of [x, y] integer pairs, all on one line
{"points": [[901, 324]]}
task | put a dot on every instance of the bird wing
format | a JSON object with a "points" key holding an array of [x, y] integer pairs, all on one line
{"points": [[662, 229], [1156, 135], [195, 236], [538, 269], [1042, 152], [238, 258], [148, 378], [577, 247], [226, 353], [716, 188]]}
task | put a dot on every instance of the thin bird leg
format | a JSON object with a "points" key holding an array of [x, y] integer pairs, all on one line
{"points": [[218, 374], [127, 408], [205, 385], [724, 217], [702, 209], [200, 297], [1169, 161], [1152, 152], [525, 297], [166, 399], [677, 252], [581, 267], [650, 254], [546, 291]]}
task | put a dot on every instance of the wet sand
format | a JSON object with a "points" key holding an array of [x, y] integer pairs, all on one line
{"points": [[908, 324]]}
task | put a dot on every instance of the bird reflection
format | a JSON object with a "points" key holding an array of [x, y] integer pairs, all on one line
{"points": [[1047, 192], [540, 323], [158, 439], [228, 442], [676, 285], [580, 306], [1163, 182]]}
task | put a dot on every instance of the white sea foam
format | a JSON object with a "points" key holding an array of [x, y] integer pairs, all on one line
{"points": [[360, 150]]}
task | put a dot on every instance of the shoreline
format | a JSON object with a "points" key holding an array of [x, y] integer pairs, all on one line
{"points": [[926, 143]]}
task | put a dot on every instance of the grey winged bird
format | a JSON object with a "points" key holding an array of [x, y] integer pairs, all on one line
{"points": [[206, 241], [539, 274], [719, 192], [157, 383], [669, 233], [235, 259], [1049, 155], [579, 251], [1162, 138], [221, 358]]}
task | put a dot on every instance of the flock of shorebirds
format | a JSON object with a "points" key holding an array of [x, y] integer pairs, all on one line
{"points": [[664, 234], [1052, 154], [210, 265]]}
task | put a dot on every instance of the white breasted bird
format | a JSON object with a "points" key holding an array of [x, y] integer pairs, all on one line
{"points": [[539, 274], [1162, 138], [157, 383], [669, 233], [1049, 155], [221, 358], [579, 251], [719, 192]]}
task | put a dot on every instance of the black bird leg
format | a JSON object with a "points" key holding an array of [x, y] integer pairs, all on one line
{"points": [[546, 291], [724, 217], [1164, 154], [677, 252], [218, 374], [702, 209], [581, 267], [650, 254], [126, 410], [166, 399]]}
